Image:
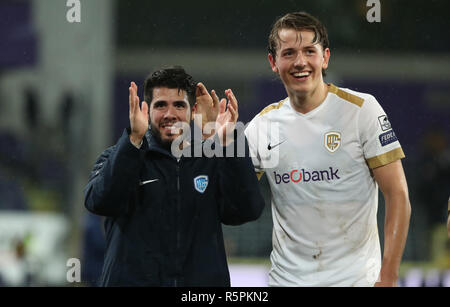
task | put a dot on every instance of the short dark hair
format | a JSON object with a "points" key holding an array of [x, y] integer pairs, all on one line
{"points": [[170, 77], [298, 21]]}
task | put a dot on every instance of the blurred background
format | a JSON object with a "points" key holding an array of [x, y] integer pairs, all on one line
{"points": [[64, 99]]}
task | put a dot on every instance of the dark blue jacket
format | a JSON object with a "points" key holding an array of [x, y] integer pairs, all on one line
{"points": [[163, 228]]}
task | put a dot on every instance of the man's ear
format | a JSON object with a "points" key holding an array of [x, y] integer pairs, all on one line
{"points": [[272, 63], [326, 58]]}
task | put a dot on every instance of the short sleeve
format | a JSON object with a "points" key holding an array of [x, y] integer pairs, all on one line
{"points": [[251, 132], [378, 139]]}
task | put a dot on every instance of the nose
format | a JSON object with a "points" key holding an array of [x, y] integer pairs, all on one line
{"points": [[300, 60], [170, 113]]}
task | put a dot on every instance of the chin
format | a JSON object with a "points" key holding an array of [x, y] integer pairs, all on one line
{"points": [[303, 89], [299, 90], [169, 138]]}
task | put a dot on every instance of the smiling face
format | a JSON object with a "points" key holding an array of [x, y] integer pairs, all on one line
{"points": [[168, 106], [299, 61]]}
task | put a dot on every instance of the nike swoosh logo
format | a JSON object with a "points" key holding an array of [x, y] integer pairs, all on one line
{"points": [[148, 181], [272, 147]]}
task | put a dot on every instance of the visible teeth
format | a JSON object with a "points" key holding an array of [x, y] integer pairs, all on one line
{"points": [[301, 74]]}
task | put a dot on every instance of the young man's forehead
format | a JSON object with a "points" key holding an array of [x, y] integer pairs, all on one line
{"points": [[302, 36]]}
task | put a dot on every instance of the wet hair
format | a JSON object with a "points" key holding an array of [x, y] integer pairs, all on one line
{"points": [[170, 77], [298, 21]]}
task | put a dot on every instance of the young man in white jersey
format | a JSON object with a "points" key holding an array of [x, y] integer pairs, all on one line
{"points": [[325, 151]]}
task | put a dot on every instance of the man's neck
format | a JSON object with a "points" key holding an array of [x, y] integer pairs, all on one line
{"points": [[308, 102]]}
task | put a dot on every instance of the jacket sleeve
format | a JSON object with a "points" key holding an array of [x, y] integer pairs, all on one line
{"points": [[241, 200], [114, 178]]}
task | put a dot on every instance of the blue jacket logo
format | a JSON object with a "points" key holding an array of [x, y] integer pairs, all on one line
{"points": [[200, 183]]}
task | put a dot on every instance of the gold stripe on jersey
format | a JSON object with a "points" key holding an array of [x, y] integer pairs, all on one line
{"points": [[346, 96], [386, 158], [259, 174], [272, 107]]}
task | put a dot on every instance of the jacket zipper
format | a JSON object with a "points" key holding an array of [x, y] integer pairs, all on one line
{"points": [[178, 204], [178, 213]]}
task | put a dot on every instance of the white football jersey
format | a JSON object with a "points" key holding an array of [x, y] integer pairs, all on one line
{"points": [[324, 197]]}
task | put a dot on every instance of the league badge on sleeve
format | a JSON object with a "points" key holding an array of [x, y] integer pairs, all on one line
{"points": [[332, 141], [384, 122], [201, 183]]}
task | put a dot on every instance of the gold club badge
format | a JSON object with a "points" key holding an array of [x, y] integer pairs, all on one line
{"points": [[332, 141]]}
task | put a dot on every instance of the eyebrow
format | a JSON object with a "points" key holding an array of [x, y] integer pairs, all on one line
{"points": [[304, 47], [165, 102], [181, 101], [159, 101], [287, 49]]}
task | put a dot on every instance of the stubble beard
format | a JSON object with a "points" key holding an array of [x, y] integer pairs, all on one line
{"points": [[154, 130]]}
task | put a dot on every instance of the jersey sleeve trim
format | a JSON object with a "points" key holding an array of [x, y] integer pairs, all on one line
{"points": [[272, 107], [345, 95], [386, 158]]}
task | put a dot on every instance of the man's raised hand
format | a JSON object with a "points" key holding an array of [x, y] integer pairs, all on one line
{"points": [[139, 117], [227, 118], [206, 106]]}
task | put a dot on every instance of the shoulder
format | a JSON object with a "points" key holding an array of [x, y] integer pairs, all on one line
{"points": [[265, 115], [106, 153], [273, 107], [353, 97], [101, 161]]}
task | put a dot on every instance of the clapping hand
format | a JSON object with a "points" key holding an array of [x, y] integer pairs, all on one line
{"points": [[227, 118], [205, 109], [138, 116]]}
